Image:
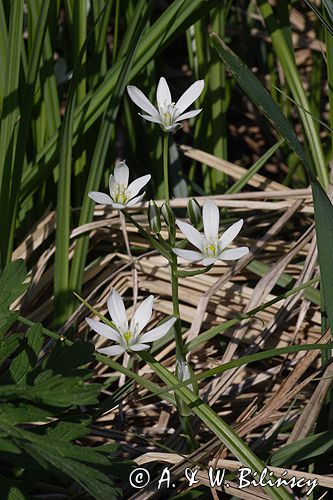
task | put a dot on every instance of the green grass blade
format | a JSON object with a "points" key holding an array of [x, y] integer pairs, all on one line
{"points": [[329, 8], [288, 64], [329, 52], [219, 102], [99, 60], [61, 265], [320, 16], [3, 50], [285, 280], [79, 36], [242, 182], [215, 330], [9, 116], [322, 205], [97, 163], [222, 430], [179, 16], [24, 124], [245, 360]]}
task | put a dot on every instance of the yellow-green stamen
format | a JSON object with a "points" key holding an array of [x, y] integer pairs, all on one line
{"points": [[127, 336]]}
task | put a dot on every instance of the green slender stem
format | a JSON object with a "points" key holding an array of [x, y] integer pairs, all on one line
{"points": [[165, 167], [158, 246], [189, 434], [180, 351], [184, 413]]}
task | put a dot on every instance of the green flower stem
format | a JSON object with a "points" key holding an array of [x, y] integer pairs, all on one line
{"points": [[157, 245], [165, 166], [184, 413], [180, 349]]}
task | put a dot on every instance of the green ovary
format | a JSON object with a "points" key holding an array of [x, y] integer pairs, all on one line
{"points": [[127, 336]]}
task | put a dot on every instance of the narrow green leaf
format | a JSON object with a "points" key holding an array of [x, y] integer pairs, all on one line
{"points": [[242, 182], [287, 60], [9, 116], [97, 163], [322, 205], [177, 17], [215, 330], [251, 358], [222, 430], [303, 449], [61, 265]]}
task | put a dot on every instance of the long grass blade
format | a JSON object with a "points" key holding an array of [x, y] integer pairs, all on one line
{"points": [[322, 205], [97, 164], [9, 116], [287, 60], [23, 130], [220, 428], [173, 21]]}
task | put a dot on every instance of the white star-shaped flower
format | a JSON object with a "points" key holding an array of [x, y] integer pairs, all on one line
{"points": [[128, 335], [122, 195], [168, 114], [210, 246]]}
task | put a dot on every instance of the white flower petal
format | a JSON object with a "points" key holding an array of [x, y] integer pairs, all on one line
{"points": [[191, 233], [234, 253], [211, 219], [112, 185], [230, 234], [141, 100], [189, 114], [104, 330], [114, 350], [139, 347], [121, 173], [118, 206], [138, 184], [142, 315], [153, 119], [158, 332], [188, 254], [101, 198], [117, 310], [135, 200], [163, 93], [191, 94], [208, 261]]}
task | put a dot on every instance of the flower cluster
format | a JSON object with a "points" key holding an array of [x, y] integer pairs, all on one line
{"points": [[210, 247]]}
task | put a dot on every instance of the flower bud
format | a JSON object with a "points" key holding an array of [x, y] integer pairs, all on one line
{"points": [[194, 211], [168, 215], [184, 372], [154, 217]]}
